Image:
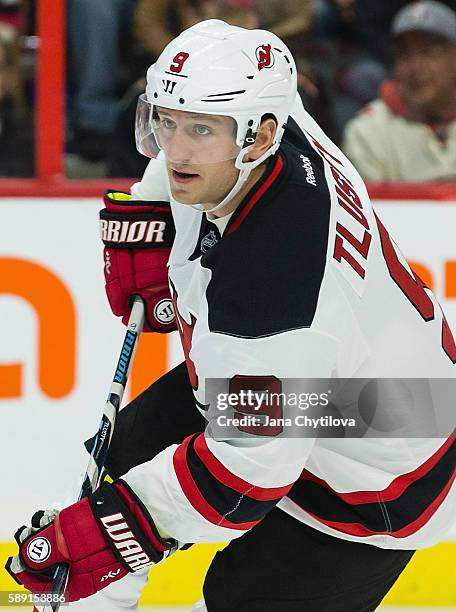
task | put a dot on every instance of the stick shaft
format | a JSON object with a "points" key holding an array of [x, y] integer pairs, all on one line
{"points": [[105, 431]]}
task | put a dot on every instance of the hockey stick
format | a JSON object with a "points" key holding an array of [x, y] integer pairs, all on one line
{"points": [[103, 438]]}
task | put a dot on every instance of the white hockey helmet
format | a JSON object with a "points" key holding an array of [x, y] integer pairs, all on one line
{"points": [[217, 69]]}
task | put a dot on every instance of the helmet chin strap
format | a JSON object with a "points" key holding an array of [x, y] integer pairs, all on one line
{"points": [[245, 168], [242, 177]]}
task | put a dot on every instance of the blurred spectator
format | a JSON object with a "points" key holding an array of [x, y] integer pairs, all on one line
{"points": [[293, 20], [13, 14], [95, 30], [290, 20], [157, 22], [16, 130], [409, 133], [353, 51], [124, 159], [353, 35], [242, 13]]}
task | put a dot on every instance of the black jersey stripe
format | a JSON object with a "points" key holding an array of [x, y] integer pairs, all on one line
{"points": [[239, 508], [231, 480], [405, 513]]}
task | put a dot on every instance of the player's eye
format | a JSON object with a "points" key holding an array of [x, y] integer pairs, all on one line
{"points": [[202, 130], [168, 124]]}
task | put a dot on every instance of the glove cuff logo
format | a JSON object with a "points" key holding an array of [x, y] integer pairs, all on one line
{"points": [[110, 575], [108, 263], [164, 312], [39, 550]]}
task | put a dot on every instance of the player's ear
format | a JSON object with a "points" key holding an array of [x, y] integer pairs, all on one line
{"points": [[264, 138]]}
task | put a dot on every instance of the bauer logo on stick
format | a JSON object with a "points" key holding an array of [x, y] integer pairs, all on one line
{"points": [[264, 56], [39, 549]]}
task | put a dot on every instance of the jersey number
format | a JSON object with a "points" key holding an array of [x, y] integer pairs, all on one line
{"points": [[259, 405], [414, 289], [179, 61]]}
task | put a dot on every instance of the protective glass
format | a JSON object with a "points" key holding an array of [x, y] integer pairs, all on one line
{"points": [[184, 137]]}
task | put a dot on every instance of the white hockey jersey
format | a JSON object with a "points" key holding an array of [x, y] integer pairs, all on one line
{"points": [[302, 281]]}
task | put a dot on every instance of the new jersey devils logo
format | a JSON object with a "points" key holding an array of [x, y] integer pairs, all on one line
{"points": [[264, 56]]}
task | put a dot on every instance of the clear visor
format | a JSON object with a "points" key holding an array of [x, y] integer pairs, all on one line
{"points": [[184, 137]]}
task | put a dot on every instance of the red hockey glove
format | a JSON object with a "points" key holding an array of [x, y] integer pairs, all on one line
{"points": [[138, 237], [101, 538]]}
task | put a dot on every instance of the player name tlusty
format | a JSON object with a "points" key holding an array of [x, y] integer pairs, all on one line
{"points": [[132, 231]]}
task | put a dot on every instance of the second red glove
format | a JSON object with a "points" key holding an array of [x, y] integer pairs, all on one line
{"points": [[101, 538], [138, 237]]}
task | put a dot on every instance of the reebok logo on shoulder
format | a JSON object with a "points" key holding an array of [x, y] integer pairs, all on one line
{"points": [[307, 165]]}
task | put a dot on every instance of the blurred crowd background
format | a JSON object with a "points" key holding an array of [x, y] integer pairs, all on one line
{"points": [[379, 76]]}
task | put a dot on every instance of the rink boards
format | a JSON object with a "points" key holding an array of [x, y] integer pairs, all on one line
{"points": [[59, 344]]}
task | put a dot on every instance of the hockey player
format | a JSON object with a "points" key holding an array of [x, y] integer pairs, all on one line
{"points": [[278, 269]]}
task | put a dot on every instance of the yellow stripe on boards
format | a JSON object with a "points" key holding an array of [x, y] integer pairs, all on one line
{"points": [[179, 580], [429, 579]]}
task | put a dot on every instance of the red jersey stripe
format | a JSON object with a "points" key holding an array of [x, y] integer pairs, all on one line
{"points": [[257, 195], [227, 478], [195, 496], [358, 529], [392, 491]]}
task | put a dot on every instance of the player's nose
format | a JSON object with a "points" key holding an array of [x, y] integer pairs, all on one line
{"points": [[179, 149]]}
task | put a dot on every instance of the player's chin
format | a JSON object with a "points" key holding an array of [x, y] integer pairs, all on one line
{"points": [[185, 195]]}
